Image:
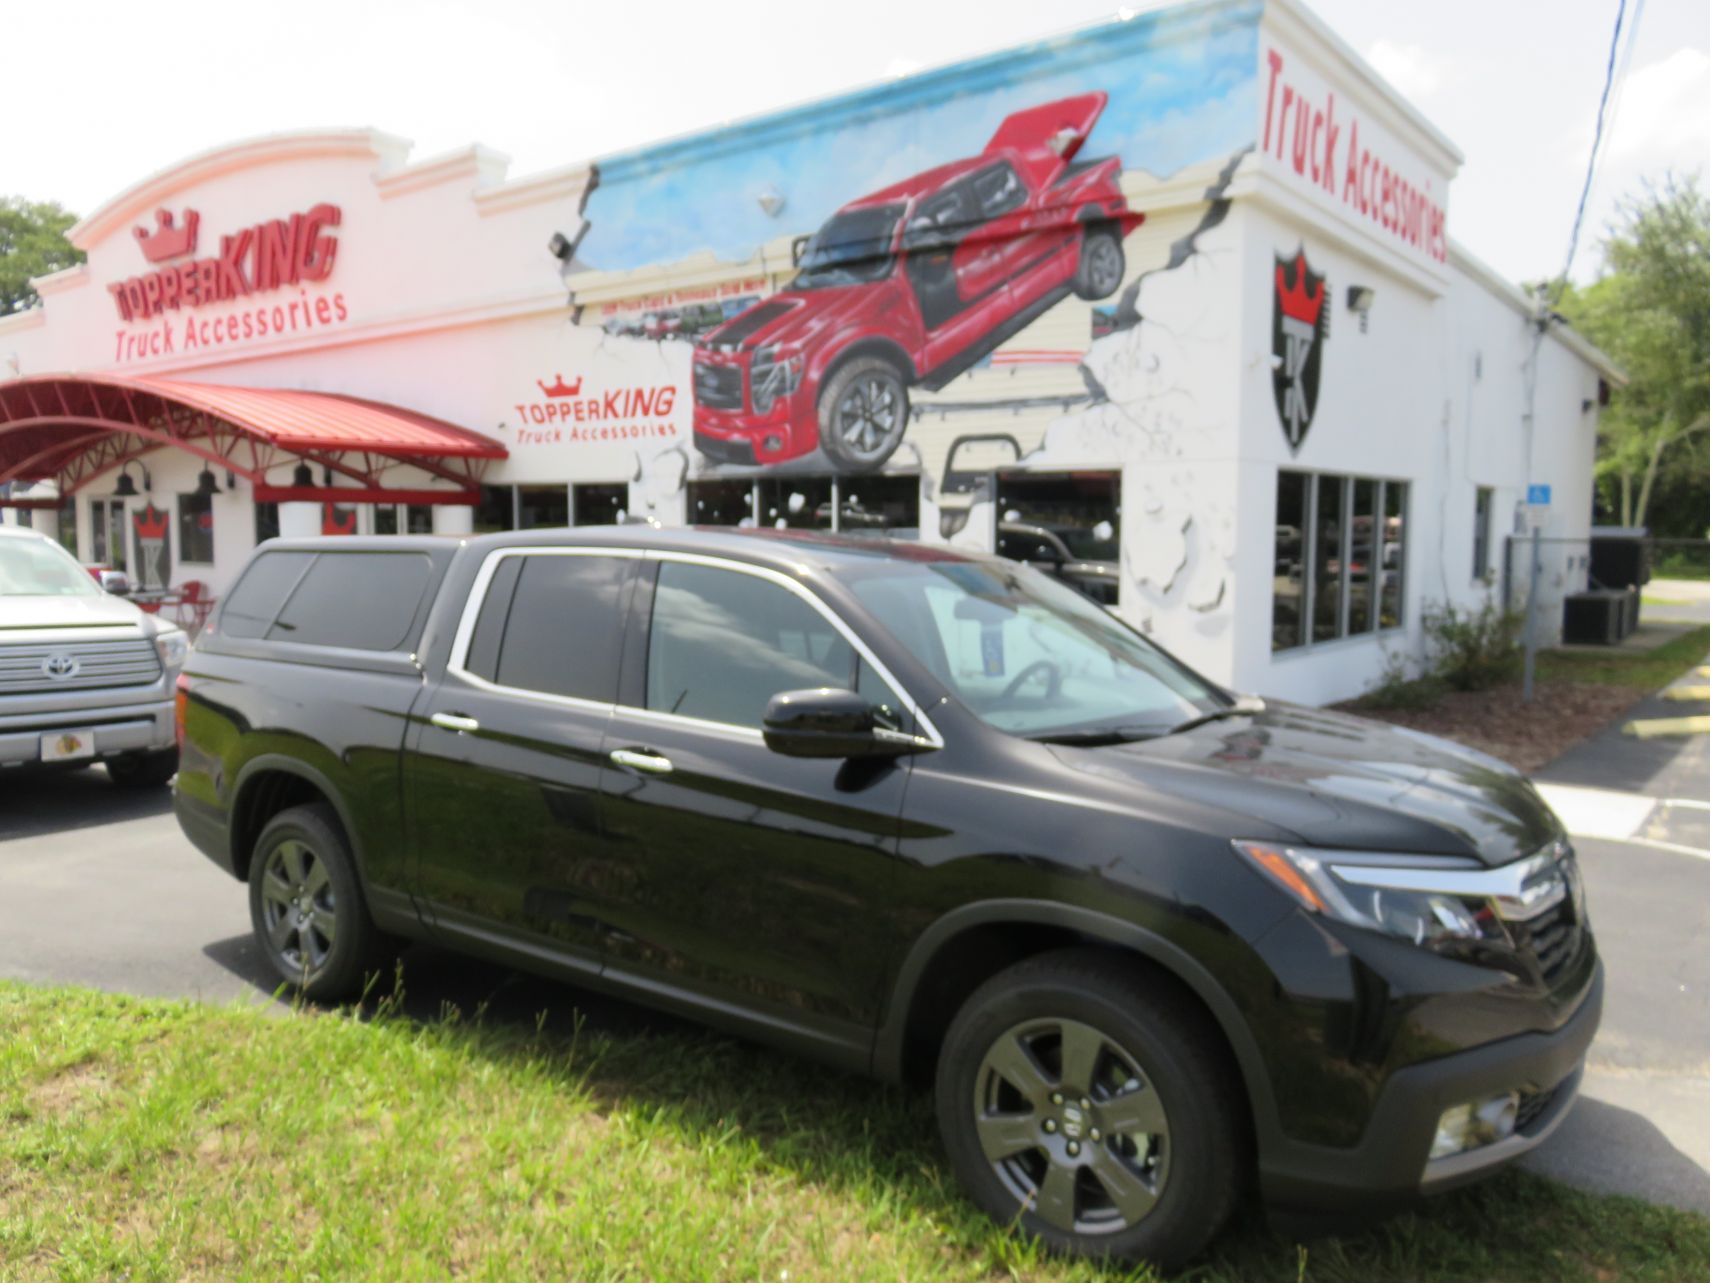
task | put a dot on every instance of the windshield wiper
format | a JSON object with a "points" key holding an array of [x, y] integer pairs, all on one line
{"points": [[1246, 706]]}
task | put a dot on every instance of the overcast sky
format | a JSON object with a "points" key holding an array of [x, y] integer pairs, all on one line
{"points": [[103, 94]]}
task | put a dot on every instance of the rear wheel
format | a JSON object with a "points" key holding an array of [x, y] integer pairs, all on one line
{"points": [[863, 412], [1099, 273], [1092, 1108], [306, 906], [143, 770]]}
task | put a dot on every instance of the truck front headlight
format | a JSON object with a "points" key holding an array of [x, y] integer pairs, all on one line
{"points": [[173, 646], [774, 374]]}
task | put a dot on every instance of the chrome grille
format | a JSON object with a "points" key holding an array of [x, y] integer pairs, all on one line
{"points": [[24, 668]]}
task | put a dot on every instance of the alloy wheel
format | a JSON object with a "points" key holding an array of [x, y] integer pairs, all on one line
{"points": [[869, 412], [299, 907], [1072, 1126]]}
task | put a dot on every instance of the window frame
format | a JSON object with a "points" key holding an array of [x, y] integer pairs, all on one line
{"points": [[179, 513], [640, 614], [1309, 559], [1484, 509]]}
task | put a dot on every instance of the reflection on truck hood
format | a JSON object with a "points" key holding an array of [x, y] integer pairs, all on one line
{"points": [[793, 317], [1339, 781], [95, 611]]}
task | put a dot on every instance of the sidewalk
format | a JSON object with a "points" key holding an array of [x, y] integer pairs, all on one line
{"points": [[1639, 810]]}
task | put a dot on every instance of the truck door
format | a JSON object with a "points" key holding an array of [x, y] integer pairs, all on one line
{"points": [[751, 877], [503, 761]]}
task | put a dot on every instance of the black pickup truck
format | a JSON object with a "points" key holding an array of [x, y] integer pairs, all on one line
{"points": [[920, 813]]}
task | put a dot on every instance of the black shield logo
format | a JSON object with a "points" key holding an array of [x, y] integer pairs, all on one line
{"points": [[1300, 323]]}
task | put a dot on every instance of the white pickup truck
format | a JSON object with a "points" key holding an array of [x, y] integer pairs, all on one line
{"points": [[85, 676]]}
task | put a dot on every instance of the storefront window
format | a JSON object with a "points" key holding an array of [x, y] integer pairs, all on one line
{"points": [[107, 528], [1068, 524], [196, 528], [1362, 555], [385, 518], [1288, 571], [496, 511], [67, 527], [1483, 500], [1339, 543], [543, 506], [879, 505], [1394, 552], [721, 503], [796, 503], [600, 505], [266, 522], [418, 519]]}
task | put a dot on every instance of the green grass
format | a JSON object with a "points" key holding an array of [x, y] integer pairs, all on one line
{"points": [[1649, 669], [1647, 600], [157, 1140]]}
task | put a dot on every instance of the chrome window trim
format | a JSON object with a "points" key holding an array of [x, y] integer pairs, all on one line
{"points": [[465, 634], [928, 732]]}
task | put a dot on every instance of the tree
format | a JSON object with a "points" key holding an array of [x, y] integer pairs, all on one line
{"points": [[1651, 312], [32, 243]]}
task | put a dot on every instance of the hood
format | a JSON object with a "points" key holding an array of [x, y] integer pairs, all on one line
{"points": [[98, 610], [1340, 781], [794, 317]]}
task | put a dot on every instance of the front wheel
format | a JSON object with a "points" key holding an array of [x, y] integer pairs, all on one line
{"points": [[306, 906], [1093, 1108], [862, 414]]}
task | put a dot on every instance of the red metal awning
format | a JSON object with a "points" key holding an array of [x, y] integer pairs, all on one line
{"points": [[73, 428]]}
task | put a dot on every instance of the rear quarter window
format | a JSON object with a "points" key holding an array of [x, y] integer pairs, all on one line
{"points": [[255, 600], [358, 600]]}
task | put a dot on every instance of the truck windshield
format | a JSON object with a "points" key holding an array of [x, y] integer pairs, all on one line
{"points": [[1029, 655], [39, 568], [851, 249]]}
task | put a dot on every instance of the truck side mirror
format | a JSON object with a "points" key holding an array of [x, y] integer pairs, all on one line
{"points": [[116, 582], [830, 723]]}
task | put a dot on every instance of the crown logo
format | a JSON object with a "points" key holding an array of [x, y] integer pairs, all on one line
{"points": [[150, 522], [1297, 302], [168, 240], [561, 388]]}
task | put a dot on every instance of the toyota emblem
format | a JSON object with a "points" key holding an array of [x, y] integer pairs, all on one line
{"points": [[60, 666]]}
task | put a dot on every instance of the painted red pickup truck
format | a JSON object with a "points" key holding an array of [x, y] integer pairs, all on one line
{"points": [[910, 287]]}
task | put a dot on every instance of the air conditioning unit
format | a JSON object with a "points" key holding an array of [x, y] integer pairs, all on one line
{"points": [[1594, 618]]}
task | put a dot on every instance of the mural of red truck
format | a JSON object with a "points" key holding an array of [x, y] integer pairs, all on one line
{"points": [[910, 287]]}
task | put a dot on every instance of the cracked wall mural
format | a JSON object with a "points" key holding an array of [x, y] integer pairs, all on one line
{"points": [[1017, 263]]}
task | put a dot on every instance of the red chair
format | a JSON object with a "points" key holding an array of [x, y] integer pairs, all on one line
{"points": [[191, 604]]}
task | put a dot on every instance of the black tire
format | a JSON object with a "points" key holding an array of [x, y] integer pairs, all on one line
{"points": [[1146, 1155], [306, 906], [1102, 265], [863, 413], [143, 770]]}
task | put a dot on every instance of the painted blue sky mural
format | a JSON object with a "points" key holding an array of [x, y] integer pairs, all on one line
{"points": [[1182, 86]]}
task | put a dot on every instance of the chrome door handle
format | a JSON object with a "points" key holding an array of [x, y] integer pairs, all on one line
{"points": [[454, 722], [647, 763]]}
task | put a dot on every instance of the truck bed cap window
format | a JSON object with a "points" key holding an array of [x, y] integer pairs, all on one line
{"points": [[359, 600]]}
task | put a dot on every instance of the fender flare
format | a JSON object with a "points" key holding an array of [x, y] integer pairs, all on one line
{"points": [[271, 762], [1100, 927]]}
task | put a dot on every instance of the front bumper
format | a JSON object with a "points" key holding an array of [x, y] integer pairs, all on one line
{"points": [[118, 729], [1390, 1165]]}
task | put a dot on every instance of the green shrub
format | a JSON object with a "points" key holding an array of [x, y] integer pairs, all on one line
{"points": [[1474, 650], [1396, 690]]}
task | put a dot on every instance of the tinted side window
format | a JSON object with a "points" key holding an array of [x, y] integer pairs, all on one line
{"points": [[564, 628], [998, 191], [723, 643], [363, 600], [483, 656], [257, 596]]}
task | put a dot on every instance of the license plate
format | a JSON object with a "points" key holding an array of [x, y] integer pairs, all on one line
{"points": [[67, 746]]}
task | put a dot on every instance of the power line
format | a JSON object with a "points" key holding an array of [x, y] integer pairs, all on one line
{"points": [[1591, 160]]}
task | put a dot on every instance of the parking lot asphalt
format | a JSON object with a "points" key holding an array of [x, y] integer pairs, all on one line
{"points": [[99, 888]]}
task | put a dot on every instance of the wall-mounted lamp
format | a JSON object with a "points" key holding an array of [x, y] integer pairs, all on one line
{"points": [[231, 479], [326, 477], [206, 486], [561, 247], [1360, 299], [301, 476], [125, 488]]}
